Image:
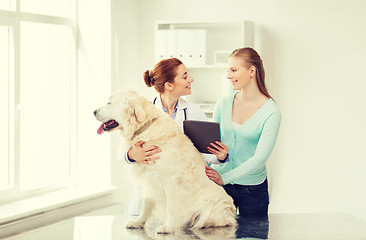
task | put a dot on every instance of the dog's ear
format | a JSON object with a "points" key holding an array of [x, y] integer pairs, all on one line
{"points": [[136, 111]]}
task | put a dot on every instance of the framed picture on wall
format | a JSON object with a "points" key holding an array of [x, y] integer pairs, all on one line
{"points": [[221, 56]]}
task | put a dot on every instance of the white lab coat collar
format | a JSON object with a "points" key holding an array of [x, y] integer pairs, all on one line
{"points": [[182, 104]]}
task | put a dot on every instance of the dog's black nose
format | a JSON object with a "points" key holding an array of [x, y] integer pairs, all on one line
{"points": [[95, 112]]}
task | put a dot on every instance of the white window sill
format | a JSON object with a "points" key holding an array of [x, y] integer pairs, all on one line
{"points": [[19, 210]]}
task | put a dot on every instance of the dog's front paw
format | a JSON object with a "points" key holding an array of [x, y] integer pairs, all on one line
{"points": [[134, 224], [164, 229]]}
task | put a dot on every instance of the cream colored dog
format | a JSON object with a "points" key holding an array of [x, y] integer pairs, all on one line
{"points": [[176, 188]]}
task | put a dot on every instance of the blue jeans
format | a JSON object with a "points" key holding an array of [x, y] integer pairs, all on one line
{"points": [[250, 200]]}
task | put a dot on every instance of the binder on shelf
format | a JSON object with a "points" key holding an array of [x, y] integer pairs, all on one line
{"points": [[181, 38], [160, 41], [187, 38], [170, 43], [200, 51], [191, 46]]}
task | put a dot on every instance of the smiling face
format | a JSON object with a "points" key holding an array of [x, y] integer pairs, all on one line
{"points": [[239, 75], [181, 85]]}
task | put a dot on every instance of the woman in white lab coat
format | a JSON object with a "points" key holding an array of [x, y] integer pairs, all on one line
{"points": [[171, 80]]}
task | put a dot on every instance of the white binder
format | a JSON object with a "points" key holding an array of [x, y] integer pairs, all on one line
{"points": [[160, 49], [170, 44], [181, 45], [200, 50], [188, 41]]}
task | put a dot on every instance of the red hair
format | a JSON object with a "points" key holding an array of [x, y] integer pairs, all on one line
{"points": [[164, 71]]}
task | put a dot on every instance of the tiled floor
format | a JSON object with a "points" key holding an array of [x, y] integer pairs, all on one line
{"points": [[108, 224]]}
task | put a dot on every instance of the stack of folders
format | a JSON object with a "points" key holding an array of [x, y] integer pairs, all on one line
{"points": [[188, 45]]}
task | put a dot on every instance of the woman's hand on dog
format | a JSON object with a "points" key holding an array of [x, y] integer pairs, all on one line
{"points": [[142, 154], [219, 150], [214, 176]]}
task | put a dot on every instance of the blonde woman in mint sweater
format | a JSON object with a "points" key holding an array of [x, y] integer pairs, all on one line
{"points": [[249, 121]]}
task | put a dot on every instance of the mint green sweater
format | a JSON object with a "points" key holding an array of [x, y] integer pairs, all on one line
{"points": [[250, 145]]}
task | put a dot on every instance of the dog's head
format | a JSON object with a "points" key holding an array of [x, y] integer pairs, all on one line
{"points": [[125, 111]]}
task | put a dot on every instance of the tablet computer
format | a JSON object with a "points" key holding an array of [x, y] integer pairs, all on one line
{"points": [[202, 133]]}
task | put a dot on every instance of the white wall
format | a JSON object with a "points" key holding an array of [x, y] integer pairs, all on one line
{"points": [[314, 53], [319, 53]]}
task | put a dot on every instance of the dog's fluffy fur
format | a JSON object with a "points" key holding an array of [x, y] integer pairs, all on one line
{"points": [[176, 188]]}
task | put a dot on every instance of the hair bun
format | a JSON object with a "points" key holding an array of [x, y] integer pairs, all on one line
{"points": [[148, 79]]}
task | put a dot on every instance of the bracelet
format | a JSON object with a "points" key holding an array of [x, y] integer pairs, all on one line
{"points": [[128, 159], [225, 160], [131, 160]]}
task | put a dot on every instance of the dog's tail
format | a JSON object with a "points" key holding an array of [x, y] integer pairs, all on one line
{"points": [[199, 218], [217, 214]]}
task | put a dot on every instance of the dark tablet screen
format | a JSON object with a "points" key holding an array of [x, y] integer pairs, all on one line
{"points": [[202, 133]]}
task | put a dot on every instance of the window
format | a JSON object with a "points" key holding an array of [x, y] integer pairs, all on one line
{"points": [[7, 4], [37, 72], [48, 7], [46, 80], [47, 95], [4, 105]]}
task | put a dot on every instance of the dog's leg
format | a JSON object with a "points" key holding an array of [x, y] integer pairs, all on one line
{"points": [[146, 212], [175, 213]]}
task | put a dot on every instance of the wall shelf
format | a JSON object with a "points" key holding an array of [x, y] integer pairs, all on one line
{"points": [[204, 48]]}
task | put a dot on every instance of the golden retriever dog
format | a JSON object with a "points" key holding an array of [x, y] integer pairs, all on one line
{"points": [[176, 189]]}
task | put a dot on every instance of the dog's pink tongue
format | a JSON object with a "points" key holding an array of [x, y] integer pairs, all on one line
{"points": [[101, 129]]}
